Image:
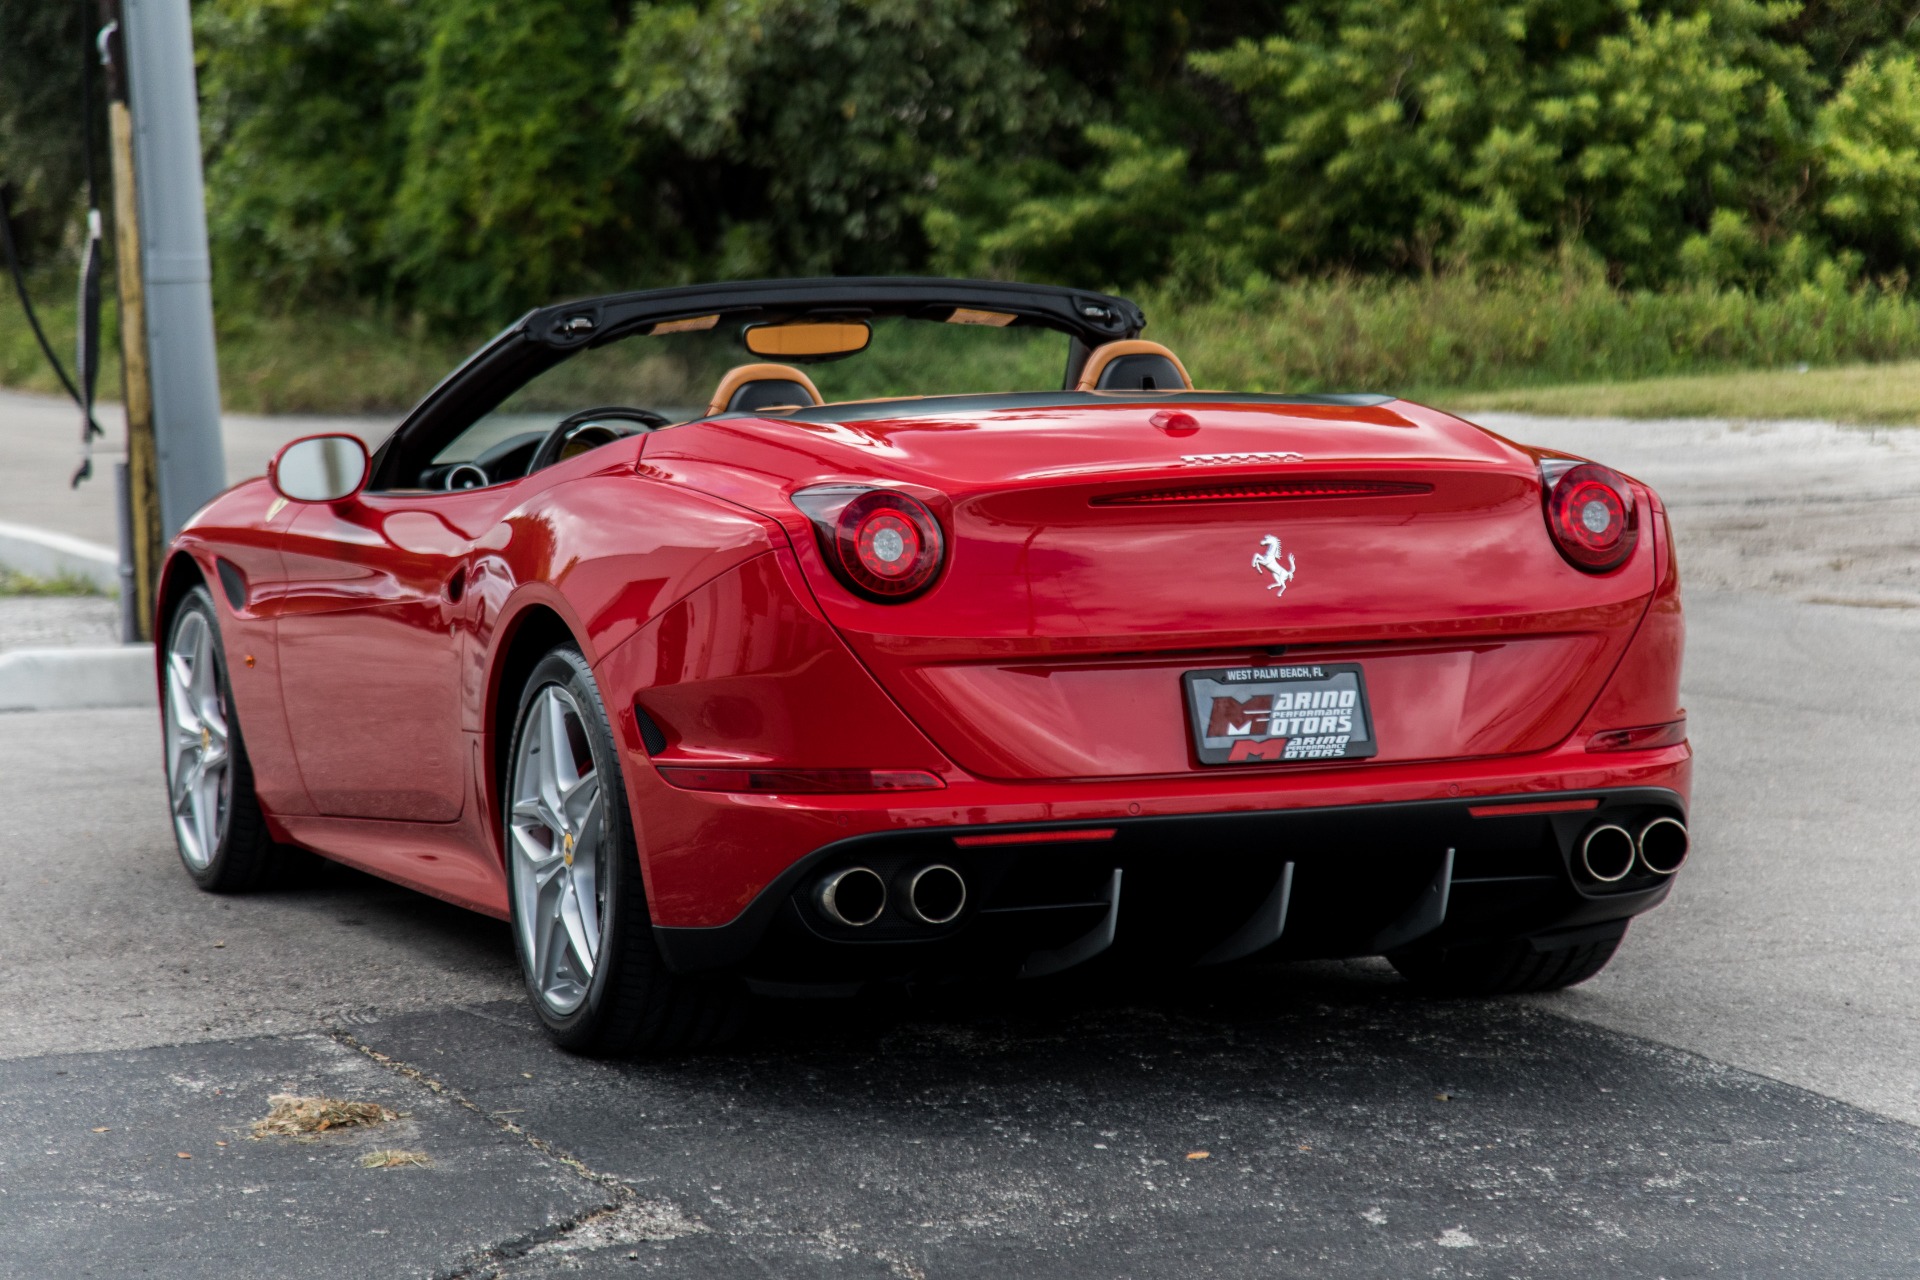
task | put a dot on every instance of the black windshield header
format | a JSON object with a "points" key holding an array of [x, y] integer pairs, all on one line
{"points": [[1093, 318]]}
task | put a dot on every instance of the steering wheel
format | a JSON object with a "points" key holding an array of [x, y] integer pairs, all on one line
{"points": [[579, 426]]}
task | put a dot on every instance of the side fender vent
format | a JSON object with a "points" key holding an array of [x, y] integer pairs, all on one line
{"points": [[233, 584], [651, 735]]}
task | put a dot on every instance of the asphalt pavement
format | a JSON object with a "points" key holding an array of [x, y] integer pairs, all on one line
{"points": [[1735, 1095]]}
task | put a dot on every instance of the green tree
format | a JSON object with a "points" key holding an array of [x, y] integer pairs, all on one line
{"points": [[1118, 191], [801, 136], [304, 113], [1673, 140], [41, 153], [1127, 220], [1666, 133], [465, 158], [1403, 133], [516, 185], [1869, 138]]}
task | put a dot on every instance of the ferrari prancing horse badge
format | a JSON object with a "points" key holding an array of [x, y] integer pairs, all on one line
{"points": [[1267, 560]]}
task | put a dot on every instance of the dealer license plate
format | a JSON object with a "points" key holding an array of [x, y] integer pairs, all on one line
{"points": [[1269, 715]]}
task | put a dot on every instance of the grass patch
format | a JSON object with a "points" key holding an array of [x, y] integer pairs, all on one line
{"points": [[1471, 335], [13, 583], [309, 362], [1550, 336], [1874, 394], [294, 1116]]}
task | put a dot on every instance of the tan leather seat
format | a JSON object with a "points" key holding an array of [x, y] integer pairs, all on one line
{"points": [[1133, 365], [762, 386]]}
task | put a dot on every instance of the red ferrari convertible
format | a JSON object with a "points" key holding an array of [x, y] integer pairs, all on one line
{"points": [[711, 682]]}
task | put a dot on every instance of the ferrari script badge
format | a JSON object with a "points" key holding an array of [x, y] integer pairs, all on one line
{"points": [[1267, 560]]}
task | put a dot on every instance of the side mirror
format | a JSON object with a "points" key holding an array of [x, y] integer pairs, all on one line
{"points": [[320, 469]]}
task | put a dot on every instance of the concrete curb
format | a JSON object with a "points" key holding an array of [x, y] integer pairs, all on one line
{"points": [[46, 554], [72, 679]]}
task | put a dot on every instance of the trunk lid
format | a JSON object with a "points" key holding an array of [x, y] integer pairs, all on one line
{"points": [[1098, 552]]}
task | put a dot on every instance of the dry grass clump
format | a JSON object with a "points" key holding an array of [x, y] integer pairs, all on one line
{"points": [[294, 1116], [393, 1158]]}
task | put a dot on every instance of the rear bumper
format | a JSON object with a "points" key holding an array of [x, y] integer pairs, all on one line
{"points": [[1184, 886]]}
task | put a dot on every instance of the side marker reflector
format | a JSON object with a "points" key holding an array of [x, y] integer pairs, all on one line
{"points": [[1535, 806], [1082, 836], [800, 781], [1644, 738]]}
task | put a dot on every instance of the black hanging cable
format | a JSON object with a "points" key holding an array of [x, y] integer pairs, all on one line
{"points": [[86, 359], [20, 289], [88, 341]]}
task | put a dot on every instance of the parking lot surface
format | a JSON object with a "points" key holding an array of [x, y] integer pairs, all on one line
{"points": [[1734, 1095]]}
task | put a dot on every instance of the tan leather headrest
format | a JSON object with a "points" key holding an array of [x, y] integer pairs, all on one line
{"points": [[745, 375], [1118, 366]]}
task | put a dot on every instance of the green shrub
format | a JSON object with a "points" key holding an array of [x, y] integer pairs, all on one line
{"points": [[1869, 137], [1698, 142], [304, 111], [458, 160], [1485, 332], [40, 152], [516, 187], [800, 136]]}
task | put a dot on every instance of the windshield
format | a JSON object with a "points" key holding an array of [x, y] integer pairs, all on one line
{"points": [[676, 375]]}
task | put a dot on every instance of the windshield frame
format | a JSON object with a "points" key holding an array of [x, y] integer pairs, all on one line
{"points": [[548, 336]]}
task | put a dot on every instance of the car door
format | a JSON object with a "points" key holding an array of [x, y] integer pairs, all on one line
{"points": [[370, 640]]}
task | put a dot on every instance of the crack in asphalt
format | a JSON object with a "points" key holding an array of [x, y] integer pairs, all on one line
{"points": [[485, 1263]]}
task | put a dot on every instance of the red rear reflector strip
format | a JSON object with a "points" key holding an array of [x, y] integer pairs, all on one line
{"points": [[1670, 734], [1261, 491], [800, 781], [1536, 806], [1035, 837]]}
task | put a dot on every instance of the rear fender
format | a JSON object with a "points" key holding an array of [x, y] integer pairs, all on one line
{"points": [[742, 671], [1645, 686], [589, 561]]}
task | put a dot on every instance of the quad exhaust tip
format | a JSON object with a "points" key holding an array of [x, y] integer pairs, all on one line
{"points": [[1663, 846], [854, 897], [936, 894], [1607, 853]]}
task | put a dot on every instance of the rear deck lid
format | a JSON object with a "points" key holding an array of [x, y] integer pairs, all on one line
{"points": [[1096, 553]]}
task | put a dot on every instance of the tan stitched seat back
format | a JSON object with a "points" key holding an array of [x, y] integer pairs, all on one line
{"points": [[762, 386], [1133, 365]]}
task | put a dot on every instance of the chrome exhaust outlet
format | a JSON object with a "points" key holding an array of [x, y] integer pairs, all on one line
{"points": [[854, 897], [1607, 853], [935, 894], [1663, 846]]}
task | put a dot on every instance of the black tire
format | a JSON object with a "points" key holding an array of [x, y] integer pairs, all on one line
{"points": [[1508, 967], [632, 1003], [243, 856]]}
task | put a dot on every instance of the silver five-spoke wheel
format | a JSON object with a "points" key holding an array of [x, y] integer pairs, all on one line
{"points": [[556, 825], [199, 760], [576, 895]]}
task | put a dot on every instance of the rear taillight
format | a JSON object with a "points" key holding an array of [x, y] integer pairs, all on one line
{"points": [[885, 545], [1589, 513]]}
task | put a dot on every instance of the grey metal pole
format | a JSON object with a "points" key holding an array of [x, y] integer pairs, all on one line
{"points": [[129, 592], [158, 43]]}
